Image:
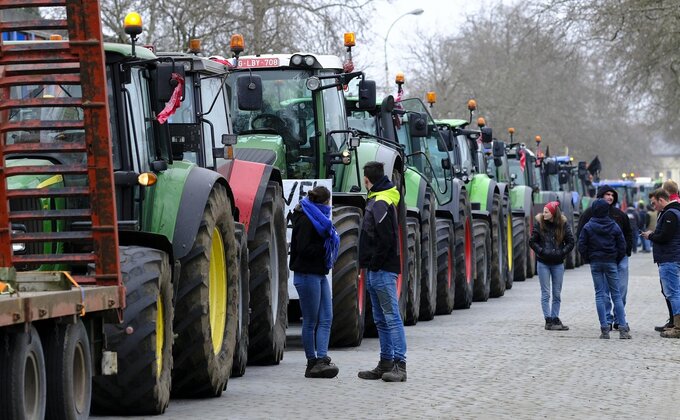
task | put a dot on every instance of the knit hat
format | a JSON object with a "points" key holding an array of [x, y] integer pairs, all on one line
{"points": [[552, 206]]}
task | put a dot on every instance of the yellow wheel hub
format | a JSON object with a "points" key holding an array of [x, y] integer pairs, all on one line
{"points": [[217, 291], [160, 335]]}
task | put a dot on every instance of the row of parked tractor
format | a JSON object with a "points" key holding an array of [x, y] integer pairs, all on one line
{"points": [[146, 199]]}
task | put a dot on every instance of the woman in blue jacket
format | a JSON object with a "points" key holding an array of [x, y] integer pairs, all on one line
{"points": [[602, 245]]}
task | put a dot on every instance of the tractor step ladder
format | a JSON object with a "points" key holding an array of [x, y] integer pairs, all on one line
{"points": [[33, 78]]}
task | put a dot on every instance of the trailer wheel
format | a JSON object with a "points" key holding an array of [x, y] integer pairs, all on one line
{"points": [[238, 369], [143, 341], [207, 304], [483, 253], [499, 258], [268, 281], [349, 287], [413, 301], [519, 251], [446, 285], [428, 261], [531, 255], [465, 260], [23, 389], [69, 371]]}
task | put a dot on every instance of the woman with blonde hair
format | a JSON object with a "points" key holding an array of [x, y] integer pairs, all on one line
{"points": [[551, 240]]}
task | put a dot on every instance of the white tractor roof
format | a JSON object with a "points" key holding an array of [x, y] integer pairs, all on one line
{"points": [[283, 60]]}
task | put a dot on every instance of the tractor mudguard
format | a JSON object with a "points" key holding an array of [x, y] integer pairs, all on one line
{"points": [[349, 199], [482, 214], [521, 201], [415, 190], [248, 181], [155, 241], [195, 194], [450, 210]]}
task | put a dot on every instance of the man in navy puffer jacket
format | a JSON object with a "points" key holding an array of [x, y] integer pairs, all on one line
{"points": [[602, 245]]}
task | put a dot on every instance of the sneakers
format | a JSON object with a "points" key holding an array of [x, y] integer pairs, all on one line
{"points": [[383, 367], [624, 333], [557, 325], [604, 334], [397, 374], [548, 323], [667, 326], [321, 368]]}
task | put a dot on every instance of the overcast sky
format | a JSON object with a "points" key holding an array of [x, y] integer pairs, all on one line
{"points": [[441, 16]]}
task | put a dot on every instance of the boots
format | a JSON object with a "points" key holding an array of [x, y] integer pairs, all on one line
{"points": [[321, 368], [557, 325], [384, 366], [548, 323], [675, 331], [397, 374], [604, 333], [668, 326], [624, 332]]}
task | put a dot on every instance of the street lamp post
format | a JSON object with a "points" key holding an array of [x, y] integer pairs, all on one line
{"points": [[387, 77]]}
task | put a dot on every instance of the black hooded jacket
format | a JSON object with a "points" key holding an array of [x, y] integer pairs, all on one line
{"points": [[615, 213], [666, 236], [544, 243], [601, 239]]}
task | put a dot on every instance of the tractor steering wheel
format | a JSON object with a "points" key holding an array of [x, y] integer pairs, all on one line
{"points": [[269, 121]]}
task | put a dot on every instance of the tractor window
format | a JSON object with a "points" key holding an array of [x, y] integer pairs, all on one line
{"points": [[217, 116], [516, 168], [334, 112], [139, 120], [186, 113], [115, 142], [465, 155]]}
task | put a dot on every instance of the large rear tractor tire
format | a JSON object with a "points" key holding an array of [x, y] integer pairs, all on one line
{"points": [[519, 252], [23, 389], [464, 254], [268, 281], [428, 260], [446, 284], [238, 369], [349, 287], [206, 310], [509, 244], [499, 257], [143, 342], [69, 371], [483, 254], [413, 302]]}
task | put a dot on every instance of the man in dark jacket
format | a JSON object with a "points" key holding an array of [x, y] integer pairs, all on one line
{"points": [[666, 253], [379, 253], [610, 195], [601, 245]]}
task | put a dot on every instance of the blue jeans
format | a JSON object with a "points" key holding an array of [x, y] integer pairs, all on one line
{"points": [[316, 306], [605, 281], [646, 244], [669, 273], [622, 268], [382, 288], [548, 275]]}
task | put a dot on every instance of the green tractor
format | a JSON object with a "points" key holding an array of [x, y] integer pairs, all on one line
{"points": [[521, 163], [301, 128], [490, 202], [429, 191], [175, 221], [199, 130]]}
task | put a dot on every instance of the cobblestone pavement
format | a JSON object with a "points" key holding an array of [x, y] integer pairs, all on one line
{"points": [[494, 360]]}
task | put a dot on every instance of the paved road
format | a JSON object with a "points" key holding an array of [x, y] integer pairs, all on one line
{"points": [[494, 360]]}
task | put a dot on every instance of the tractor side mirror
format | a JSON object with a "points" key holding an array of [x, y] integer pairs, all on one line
{"points": [[498, 149], [446, 164], [165, 84], [366, 95], [249, 88], [487, 135], [417, 124]]}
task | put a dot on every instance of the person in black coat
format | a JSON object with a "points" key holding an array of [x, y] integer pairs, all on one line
{"points": [[552, 241], [610, 195], [313, 250], [602, 245]]}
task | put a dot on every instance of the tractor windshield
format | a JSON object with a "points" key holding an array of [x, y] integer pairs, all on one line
{"points": [[516, 168]]}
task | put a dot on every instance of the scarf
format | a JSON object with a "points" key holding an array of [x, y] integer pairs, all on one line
{"points": [[320, 216]]}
